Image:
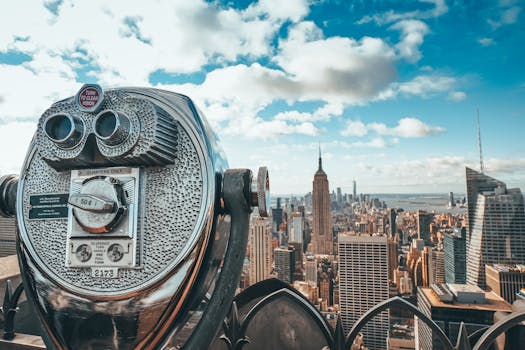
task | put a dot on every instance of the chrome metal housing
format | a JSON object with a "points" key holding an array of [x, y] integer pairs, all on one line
{"points": [[182, 232]]}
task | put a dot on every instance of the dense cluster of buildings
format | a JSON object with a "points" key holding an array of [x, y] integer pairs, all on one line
{"points": [[348, 252]]}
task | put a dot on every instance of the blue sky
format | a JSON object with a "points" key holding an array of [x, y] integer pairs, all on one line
{"points": [[389, 88]]}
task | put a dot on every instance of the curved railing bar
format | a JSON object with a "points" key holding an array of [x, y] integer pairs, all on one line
{"points": [[289, 294], [477, 333], [495, 330], [384, 305]]}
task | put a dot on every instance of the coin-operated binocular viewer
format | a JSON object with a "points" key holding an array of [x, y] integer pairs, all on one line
{"points": [[131, 229]]}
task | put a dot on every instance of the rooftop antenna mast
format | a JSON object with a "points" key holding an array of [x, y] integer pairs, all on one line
{"points": [[481, 167]]}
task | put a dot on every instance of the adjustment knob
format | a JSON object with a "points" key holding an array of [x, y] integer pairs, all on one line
{"points": [[98, 207], [260, 192]]}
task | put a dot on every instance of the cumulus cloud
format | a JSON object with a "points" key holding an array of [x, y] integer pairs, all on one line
{"points": [[486, 41], [457, 96], [14, 137], [407, 127], [505, 16], [439, 9], [412, 36], [441, 171], [421, 86], [355, 128], [118, 44]]}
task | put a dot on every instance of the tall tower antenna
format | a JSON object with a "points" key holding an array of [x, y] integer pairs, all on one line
{"points": [[320, 159], [481, 167]]}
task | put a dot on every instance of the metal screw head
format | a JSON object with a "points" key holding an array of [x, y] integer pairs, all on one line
{"points": [[261, 192]]}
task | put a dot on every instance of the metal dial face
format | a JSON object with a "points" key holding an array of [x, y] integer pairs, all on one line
{"points": [[98, 207]]}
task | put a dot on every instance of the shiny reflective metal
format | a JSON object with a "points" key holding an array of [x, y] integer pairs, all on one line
{"points": [[64, 130], [112, 127], [260, 196], [8, 186], [10, 308], [167, 279]]}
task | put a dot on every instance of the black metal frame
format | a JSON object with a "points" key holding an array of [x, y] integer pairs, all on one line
{"points": [[10, 308], [235, 327]]}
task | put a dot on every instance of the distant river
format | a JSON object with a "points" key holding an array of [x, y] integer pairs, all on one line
{"points": [[431, 202]]}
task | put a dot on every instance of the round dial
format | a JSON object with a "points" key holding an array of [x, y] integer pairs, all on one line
{"points": [[98, 206]]}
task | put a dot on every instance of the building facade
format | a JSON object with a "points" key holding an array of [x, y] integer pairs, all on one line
{"points": [[448, 316], [423, 226], [455, 247], [260, 250], [496, 225], [505, 280], [284, 263], [322, 237], [363, 283]]}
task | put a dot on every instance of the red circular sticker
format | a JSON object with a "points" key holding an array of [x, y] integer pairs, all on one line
{"points": [[88, 97]]}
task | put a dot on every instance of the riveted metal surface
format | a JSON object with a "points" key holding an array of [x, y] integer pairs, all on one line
{"points": [[172, 203], [151, 141]]}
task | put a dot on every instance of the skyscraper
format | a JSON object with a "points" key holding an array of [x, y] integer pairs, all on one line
{"points": [[363, 283], [277, 216], [260, 242], [311, 271], [496, 225], [392, 223], [505, 280], [455, 247], [284, 263], [354, 190], [322, 238], [296, 227], [423, 226]]}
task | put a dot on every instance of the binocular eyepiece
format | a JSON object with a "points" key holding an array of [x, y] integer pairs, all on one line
{"points": [[64, 130], [128, 215]]}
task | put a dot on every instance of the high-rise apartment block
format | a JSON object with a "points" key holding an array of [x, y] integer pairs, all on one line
{"points": [[296, 227], [423, 226], [260, 243], [310, 267], [505, 280], [455, 248], [433, 266], [284, 263], [449, 315], [496, 225], [322, 237], [392, 223], [363, 282]]}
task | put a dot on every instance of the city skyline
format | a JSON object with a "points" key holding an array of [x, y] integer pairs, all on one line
{"points": [[389, 89]]}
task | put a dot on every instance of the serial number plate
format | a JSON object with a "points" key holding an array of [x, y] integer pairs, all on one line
{"points": [[104, 272]]}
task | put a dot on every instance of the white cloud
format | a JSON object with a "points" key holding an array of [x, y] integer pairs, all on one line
{"points": [[439, 9], [257, 128], [457, 96], [119, 44], [440, 172], [323, 113], [407, 127], [377, 142], [15, 138], [354, 128], [486, 41], [506, 16], [412, 34], [421, 86]]}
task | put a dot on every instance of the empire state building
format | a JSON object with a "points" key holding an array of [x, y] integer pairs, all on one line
{"points": [[322, 237]]}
